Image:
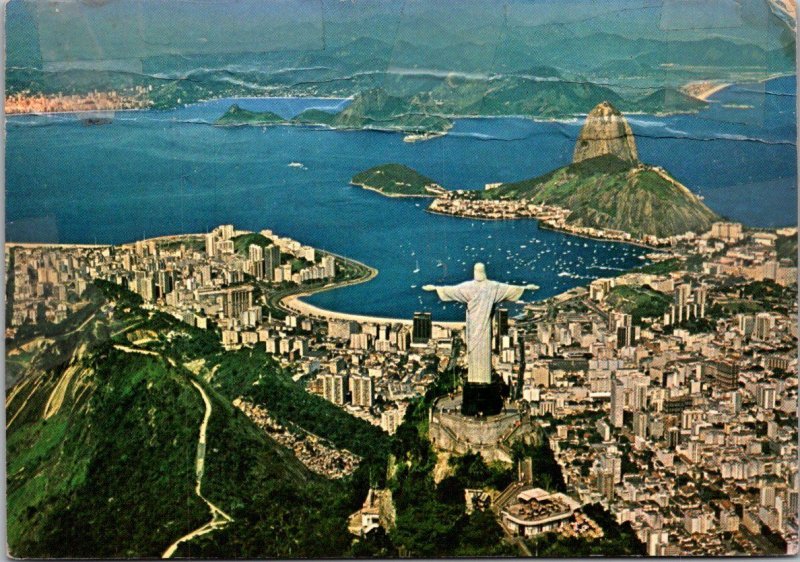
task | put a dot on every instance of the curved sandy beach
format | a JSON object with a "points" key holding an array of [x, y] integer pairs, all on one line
{"points": [[293, 302]]}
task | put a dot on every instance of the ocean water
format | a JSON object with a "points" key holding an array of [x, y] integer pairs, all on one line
{"points": [[151, 173]]}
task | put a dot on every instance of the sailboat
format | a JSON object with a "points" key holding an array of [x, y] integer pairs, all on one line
{"points": [[416, 270]]}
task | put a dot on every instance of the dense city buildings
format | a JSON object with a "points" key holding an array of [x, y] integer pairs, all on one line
{"points": [[28, 102], [668, 395]]}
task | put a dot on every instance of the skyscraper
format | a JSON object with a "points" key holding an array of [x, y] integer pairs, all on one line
{"points": [[423, 327], [765, 396], [334, 387], [626, 332], [617, 402], [256, 254], [700, 297], [361, 391], [640, 423], [329, 265], [500, 326], [680, 308], [724, 375], [210, 245], [763, 326], [226, 231], [272, 259], [236, 300]]}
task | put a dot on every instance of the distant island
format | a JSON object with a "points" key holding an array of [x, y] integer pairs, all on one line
{"points": [[374, 109], [397, 180], [236, 116], [607, 192]]}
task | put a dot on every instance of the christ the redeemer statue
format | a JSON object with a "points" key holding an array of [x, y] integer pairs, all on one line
{"points": [[480, 295]]}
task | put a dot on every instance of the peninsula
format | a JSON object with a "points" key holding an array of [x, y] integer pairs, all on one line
{"points": [[606, 193], [397, 180]]}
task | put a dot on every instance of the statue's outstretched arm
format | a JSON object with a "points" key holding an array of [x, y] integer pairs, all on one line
{"points": [[450, 293]]}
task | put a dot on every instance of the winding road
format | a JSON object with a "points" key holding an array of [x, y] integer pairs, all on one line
{"points": [[218, 517]]}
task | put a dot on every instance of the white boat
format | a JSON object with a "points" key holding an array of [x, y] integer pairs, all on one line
{"points": [[416, 269], [296, 165]]}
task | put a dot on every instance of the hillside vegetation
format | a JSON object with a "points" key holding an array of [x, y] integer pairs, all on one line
{"points": [[242, 243], [606, 192], [397, 180], [103, 435], [433, 111], [639, 302], [238, 116]]}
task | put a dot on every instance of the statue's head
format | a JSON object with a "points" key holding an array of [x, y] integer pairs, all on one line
{"points": [[480, 272]]}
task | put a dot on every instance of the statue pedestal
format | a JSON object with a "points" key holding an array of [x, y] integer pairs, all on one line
{"points": [[482, 399], [491, 436]]}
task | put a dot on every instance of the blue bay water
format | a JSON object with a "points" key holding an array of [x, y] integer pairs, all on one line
{"points": [[150, 173]]}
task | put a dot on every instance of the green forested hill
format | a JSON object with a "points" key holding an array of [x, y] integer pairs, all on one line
{"points": [[103, 435], [606, 192], [377, 109], [75, 478], [397, 180], [238, 116]]}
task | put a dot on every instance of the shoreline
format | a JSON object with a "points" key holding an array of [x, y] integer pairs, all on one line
{"points": [[712, 88], [298, 306], [75, 111], [543, 224], [393, 195], [706, 90], [55, 245], [294, 304]]}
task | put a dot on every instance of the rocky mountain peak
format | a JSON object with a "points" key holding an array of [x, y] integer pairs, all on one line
{"points": [[605, 132]]}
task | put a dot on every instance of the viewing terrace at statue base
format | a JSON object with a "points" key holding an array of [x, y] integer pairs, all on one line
{"points": [[492, 436]]}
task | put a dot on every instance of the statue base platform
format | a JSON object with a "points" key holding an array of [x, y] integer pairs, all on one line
{"points": [[492, 436], [482, 399]]}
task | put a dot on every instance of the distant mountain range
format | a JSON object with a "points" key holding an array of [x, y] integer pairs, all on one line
{"points": [[434, 111], [530, 60]]}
